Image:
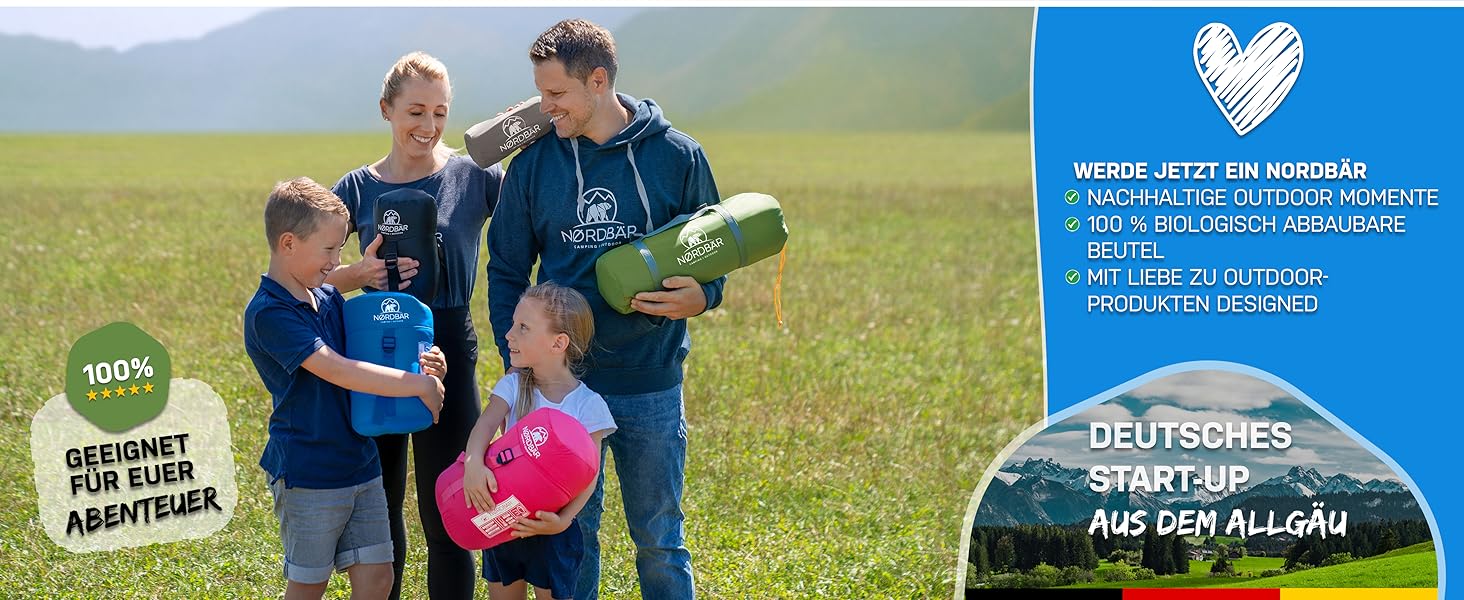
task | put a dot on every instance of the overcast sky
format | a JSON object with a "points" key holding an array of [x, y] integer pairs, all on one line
{"points": [[120, 28]]}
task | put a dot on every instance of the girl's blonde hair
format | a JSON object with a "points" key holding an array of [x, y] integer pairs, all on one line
{"points": [[417, 65], [569, 313]]}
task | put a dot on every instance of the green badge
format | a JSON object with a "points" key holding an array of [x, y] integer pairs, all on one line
{"points": [[117, 377]]}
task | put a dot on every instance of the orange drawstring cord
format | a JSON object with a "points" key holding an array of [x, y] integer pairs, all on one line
{"points": [[778, 286]]}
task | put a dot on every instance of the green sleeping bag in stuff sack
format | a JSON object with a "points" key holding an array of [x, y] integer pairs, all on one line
{"points": [[705, 245]]}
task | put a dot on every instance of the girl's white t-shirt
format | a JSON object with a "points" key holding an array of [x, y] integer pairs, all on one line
{"points": [[583, 404]]}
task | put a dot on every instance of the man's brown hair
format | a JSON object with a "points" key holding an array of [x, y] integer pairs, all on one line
{"points": [[580, 45]]}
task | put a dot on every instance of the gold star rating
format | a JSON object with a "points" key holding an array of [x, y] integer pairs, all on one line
{"points": [[120, 391]]}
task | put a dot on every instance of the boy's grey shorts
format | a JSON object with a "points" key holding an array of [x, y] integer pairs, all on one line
{"points": [[330, 530]]}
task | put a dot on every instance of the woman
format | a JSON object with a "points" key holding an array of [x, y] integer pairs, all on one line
{"points": [[414, 99]]}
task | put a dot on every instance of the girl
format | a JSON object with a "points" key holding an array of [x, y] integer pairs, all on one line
{"points": [[552, 327]]}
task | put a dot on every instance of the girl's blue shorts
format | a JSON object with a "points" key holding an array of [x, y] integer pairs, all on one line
{"points": [[547, 561]]}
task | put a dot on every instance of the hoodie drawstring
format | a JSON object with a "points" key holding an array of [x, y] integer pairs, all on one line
{"points": [[579, 176], [640, 187]]}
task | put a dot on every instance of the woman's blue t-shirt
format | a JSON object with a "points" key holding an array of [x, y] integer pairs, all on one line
{"points": [[466, 195]]}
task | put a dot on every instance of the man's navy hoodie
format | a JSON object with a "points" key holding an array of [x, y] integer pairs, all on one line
{"points": [[567, 201]]}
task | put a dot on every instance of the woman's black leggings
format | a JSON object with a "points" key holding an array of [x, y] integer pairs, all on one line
{"points": [[450, 572]]}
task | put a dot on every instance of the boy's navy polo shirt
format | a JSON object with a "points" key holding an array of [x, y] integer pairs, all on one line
{"points": [[311, 442]]}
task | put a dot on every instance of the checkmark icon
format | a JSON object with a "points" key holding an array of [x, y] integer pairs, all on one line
{"points": [[1072, 276], [1071, 196], [1072, 223]]}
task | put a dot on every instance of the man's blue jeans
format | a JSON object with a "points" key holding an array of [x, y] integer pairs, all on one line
{"points": [[650, 460]]}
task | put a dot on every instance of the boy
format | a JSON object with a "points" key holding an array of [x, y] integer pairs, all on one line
{"points": [[325, 477]]}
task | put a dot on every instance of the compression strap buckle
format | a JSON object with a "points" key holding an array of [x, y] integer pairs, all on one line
{"points": [[393, 275]]}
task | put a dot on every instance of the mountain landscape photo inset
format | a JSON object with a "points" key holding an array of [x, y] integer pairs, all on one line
{"points": [[1198, 479]]}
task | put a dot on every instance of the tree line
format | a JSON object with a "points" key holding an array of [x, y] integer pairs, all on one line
{"points": [[1362, 540], [1023, 547]]}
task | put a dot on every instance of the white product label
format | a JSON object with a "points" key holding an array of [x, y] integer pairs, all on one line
{"points": [[503, 516]]}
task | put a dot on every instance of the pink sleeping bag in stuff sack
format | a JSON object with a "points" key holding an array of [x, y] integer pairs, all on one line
{"points": [[541, 463]]}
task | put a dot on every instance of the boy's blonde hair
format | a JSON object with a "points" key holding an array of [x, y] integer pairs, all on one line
{"points": [[296, 206], [416, 65], [569, 313]]}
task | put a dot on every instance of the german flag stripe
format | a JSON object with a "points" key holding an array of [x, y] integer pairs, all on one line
{"points": [[1360, 594]]}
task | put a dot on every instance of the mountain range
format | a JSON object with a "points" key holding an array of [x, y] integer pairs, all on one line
{"points": [[1305, 482], [1042, 491], [763, 69]]}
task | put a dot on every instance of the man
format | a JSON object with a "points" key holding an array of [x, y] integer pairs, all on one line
{"points": [[615, 171]]}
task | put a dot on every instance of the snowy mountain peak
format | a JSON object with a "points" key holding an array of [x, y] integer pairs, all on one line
{"points": [[1304, 481], [1299, 481], [1034, 466], [1386, 486], [1305, 475], [1051, 470], [1341, 483]]}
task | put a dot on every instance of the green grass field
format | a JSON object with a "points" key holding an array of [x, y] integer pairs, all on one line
{"points": [[831, 459], [1199, 575], [1415, 566], [1414, 549]]}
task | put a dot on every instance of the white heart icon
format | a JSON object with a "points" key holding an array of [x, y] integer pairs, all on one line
{"points": [[1248, 84]]}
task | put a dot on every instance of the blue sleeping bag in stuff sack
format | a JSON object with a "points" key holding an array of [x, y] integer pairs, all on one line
{"points": [[391, 329]]}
